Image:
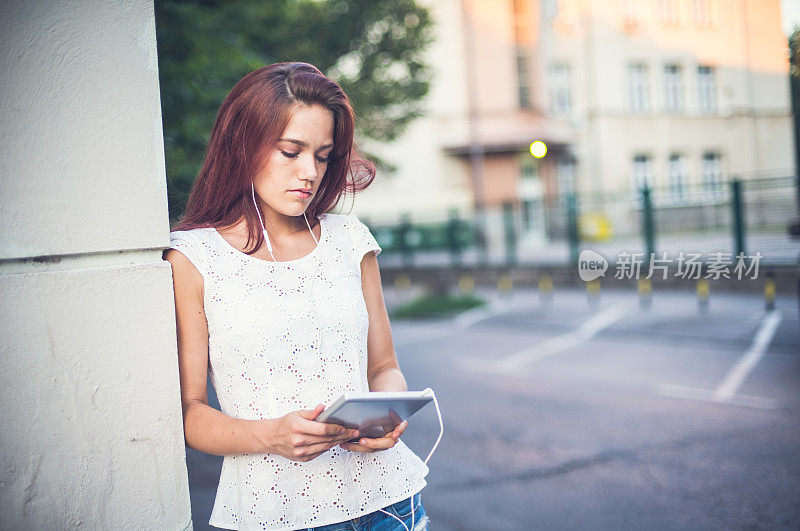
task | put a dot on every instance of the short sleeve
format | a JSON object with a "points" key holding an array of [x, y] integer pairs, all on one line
{"points": [[190, 246], [363, 239]]}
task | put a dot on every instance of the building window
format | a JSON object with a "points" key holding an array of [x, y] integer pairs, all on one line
{"points": [[641, 174], [565, 171], [669, 12], [673, 88], [528, 214], [560, 89], [522, 43], [529, 168], [706, 89], [677, 177], [523, 83], [711, 175], [703, 11], [638, 89]]}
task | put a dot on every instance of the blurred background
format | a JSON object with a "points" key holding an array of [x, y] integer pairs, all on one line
{"points": [[510, 137], [522, 130]]}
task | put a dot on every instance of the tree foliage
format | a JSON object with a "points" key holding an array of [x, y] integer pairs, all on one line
{"points": [[794, 86], [372, 48]]}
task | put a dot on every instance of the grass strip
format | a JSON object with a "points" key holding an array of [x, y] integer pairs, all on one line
{"points": [[436, 306]]}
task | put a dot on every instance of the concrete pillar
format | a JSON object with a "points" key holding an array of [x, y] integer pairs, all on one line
{"points": [[91, 420]]}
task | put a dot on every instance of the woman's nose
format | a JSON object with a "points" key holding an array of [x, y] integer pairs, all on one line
{"points": [[309, 171]]}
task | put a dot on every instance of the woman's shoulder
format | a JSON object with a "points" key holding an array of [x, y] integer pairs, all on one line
{"points": [[190, 235], [193, 243], [351, 233], [342, 221], [345, 227], [197, 232]]}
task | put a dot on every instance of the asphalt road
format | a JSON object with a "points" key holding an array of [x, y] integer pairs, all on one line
{"points": [[567, 415]]}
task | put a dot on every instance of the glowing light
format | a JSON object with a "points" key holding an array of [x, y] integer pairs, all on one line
{"points": [[538, 149]]}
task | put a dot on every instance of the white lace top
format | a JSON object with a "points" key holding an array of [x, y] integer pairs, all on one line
{"points": [[285, 336]]}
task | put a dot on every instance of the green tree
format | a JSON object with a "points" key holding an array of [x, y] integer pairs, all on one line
{"points": [[794, 87], [373, 48]]}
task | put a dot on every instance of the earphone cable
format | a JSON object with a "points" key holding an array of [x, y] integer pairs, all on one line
{"points": [[263, 228], [435, 445]]}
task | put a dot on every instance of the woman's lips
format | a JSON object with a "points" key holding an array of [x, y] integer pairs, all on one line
{"points": [[301, 194]]}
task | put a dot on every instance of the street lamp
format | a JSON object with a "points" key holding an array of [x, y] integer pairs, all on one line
{"points": [[538, 149]]}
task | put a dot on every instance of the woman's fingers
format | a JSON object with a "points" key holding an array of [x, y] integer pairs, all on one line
{"points": [[398, 431], [307, 453], [373, 445], [335, 439], [355, 447], [312, 427], [311, 414]]}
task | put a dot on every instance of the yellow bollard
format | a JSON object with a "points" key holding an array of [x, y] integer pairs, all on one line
{"points": [[593, 291], [402, 282], [645, 292], [466, 284], [769, 291], [504, 284], [702, 294], [545, 288]]}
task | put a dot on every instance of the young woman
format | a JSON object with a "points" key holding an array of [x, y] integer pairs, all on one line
{"points": [[281, 301]]}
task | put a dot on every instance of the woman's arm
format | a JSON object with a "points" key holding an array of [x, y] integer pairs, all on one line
{"points": [[209, 430], [383, 372], [205, 428]]}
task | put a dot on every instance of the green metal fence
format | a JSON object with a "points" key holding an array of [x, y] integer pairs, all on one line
{"points": [[738, 215]]}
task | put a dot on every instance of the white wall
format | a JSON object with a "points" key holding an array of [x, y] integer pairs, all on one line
{"points": [[426, 181], [92, 433]]}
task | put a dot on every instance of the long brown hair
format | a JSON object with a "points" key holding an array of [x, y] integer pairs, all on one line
{"points": [[247, 128]]}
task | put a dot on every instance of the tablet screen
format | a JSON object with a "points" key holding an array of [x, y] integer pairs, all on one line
{"points": [[373, 418]]}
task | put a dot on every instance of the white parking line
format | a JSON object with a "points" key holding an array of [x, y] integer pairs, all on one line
{"points": [[549, 347], [725, 391], [745, 364], [470, 317], [707, 395]]}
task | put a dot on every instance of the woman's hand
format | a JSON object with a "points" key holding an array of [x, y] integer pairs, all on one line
{"points": [[376, 445], [298, 437]]}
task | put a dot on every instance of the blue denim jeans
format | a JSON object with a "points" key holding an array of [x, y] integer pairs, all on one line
{"points": [[378, 521]]}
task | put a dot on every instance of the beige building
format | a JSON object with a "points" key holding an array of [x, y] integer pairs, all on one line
{"points": [[680, 94]]}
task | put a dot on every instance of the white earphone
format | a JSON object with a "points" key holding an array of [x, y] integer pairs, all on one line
{"points": [[441, 432], [264, 229]]}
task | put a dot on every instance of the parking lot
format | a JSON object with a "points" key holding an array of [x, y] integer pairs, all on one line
{"points": [[570, 415]]}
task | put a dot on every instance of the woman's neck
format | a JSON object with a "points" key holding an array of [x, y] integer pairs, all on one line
{"points": [[280, 226]]}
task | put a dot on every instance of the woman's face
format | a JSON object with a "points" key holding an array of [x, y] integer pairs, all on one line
{"points": [[298, 161]]}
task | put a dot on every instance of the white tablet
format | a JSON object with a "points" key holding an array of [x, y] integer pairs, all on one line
{"points": [[375, 414]]}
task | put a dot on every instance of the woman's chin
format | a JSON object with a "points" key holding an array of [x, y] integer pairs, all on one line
{"points": [[294, 210]]}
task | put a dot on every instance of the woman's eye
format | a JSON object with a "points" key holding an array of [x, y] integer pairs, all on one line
{"points": [[294, 155]]}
